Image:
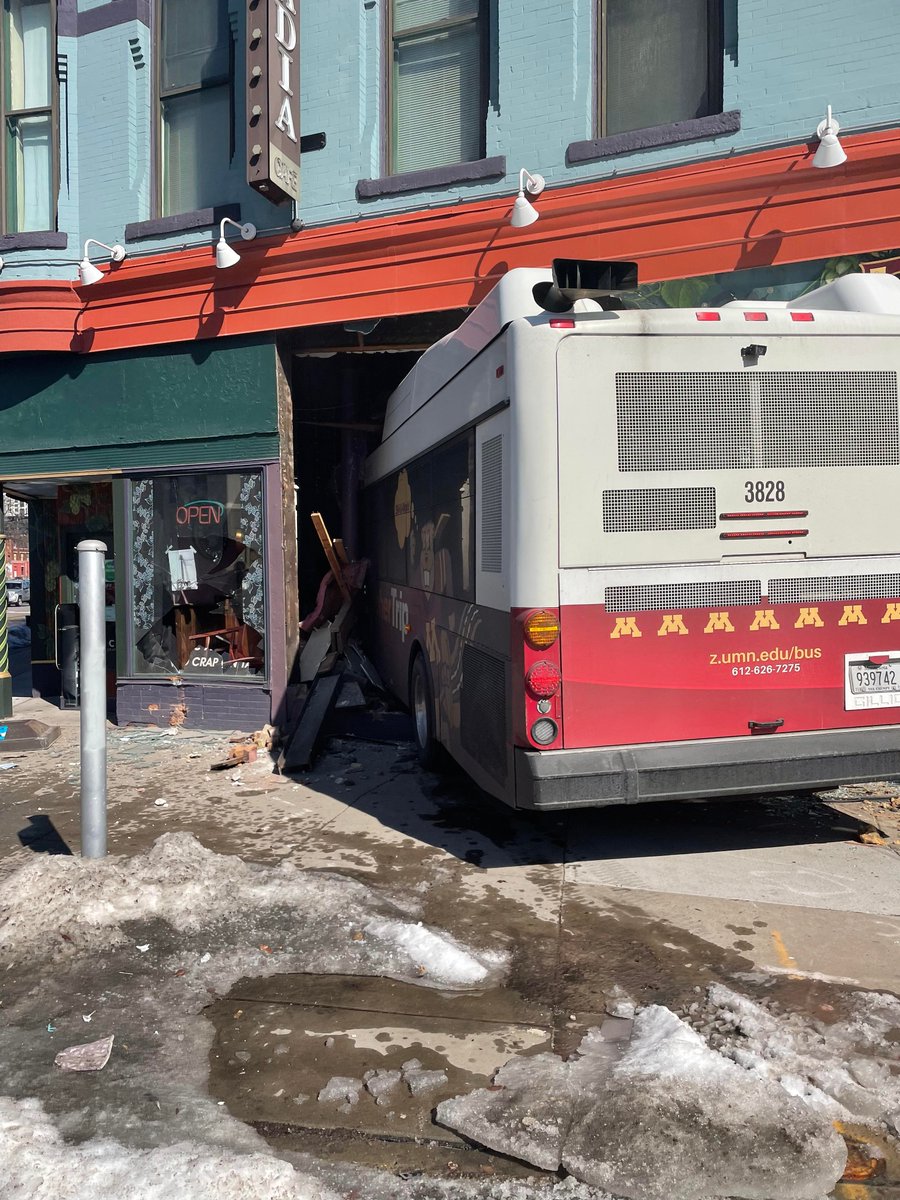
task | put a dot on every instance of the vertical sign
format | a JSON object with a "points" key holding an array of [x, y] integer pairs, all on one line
{"points": [[273, 98]]}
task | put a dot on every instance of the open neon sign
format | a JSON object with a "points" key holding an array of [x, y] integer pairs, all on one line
{"points": [[203, 512]]}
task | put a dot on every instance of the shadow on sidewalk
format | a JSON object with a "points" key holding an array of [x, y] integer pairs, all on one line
{"points": [[43, 837]]}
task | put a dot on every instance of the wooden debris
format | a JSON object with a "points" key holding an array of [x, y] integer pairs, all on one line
{"points": [[236, 757], [265, 738], [318, 645], [334, 561], [871, 837], [298, 752]]}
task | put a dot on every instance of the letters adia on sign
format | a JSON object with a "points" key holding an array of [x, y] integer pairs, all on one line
{"points": [[273, 99]]}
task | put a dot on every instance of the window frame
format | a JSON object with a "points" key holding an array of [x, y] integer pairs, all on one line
{"points": [[160, 95], [388, 90], [715, 33], [8, 113], [128, 669]]}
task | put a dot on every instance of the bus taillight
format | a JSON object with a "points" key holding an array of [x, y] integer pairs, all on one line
{"points": [[543, 679], [541, 629]]}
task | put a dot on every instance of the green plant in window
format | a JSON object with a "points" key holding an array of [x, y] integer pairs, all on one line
{"points": [[689, 293]]}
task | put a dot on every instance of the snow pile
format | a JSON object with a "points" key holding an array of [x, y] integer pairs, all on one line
{"points": [[663, 1117], [269, 919], [846, 1070], [38, 1165], [447, 959]]}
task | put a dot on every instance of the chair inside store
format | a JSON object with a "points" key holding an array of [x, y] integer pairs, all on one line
{"points": [[207, 640]]}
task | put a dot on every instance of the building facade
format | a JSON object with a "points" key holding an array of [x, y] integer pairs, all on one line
{"points": [[192, 405]]}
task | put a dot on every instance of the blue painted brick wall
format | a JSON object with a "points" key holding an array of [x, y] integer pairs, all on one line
{"points": [[783, 64]]}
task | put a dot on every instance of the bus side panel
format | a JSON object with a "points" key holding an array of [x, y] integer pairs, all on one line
{"points": [[423, 527], [466, 647], [652, 676]]}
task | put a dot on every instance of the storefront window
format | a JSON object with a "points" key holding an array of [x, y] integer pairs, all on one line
{"points": [[197, 575]]}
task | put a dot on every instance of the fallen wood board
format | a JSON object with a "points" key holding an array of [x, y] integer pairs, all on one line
{"points": [[317, 647], [333, 560], [298, 754]]}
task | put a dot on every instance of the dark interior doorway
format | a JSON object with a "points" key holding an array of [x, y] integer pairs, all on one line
{"points": [[341, 381]]}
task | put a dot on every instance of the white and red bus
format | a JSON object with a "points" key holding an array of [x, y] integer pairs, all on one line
{"points": [[625, 556]]}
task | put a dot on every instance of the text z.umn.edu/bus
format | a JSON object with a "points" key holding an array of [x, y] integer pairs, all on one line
{"points": [[782, 660]]}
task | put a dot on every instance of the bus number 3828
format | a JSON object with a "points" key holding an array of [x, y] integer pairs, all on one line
{"points": [[760, 492]]}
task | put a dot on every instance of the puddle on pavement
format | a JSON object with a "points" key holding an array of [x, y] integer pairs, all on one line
{"points": [[279, 1041]]}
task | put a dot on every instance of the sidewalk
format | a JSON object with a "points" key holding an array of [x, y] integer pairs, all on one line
{"points": [[254, 1012]]}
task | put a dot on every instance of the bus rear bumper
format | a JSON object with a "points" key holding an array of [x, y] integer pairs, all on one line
{"points": [[554, 779]]}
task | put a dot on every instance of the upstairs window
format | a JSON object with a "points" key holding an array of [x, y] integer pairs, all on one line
{"points": [[28, 104], [660, 61], [196, 67], [437, 83]]}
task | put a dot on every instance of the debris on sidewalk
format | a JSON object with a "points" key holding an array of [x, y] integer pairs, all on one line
{"points": [[871, 837], [236, 757], [93, 1056], [244, 748], [379, 1083], [421, 1081], [340, 1089], [875, 806]]}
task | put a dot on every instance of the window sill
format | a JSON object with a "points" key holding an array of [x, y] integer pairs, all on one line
{"points": [[200, 218], [653, 137], [40, 240], [432, 177]]}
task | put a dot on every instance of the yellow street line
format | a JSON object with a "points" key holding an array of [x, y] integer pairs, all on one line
{"points": [[785, 958]]}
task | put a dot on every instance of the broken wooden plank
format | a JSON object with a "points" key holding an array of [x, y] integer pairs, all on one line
{"points": [[333, 561], [316, 648], [298, 754]]}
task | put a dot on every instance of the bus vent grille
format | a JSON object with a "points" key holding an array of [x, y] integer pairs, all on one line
{"points": [[767, 420], [646, 510], [833, 587], [492, 504], [483, 711], [672, 597]]}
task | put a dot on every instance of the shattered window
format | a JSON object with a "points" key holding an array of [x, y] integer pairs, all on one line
{"points": [[197, 556]]}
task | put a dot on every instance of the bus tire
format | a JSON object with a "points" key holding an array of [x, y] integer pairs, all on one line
{"points": [[421, 704]]}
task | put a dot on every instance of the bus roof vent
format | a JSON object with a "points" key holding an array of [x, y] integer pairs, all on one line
{"points": [[583, 279], [859, 292]]}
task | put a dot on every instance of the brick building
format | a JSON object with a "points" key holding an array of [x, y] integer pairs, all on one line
{"points": [[177, 408]]}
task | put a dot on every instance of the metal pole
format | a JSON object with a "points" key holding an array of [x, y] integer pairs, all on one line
{"points": [[92, 622], [5, 677]]}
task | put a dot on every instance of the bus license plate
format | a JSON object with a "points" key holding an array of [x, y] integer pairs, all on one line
{"points": [[872, 681]]}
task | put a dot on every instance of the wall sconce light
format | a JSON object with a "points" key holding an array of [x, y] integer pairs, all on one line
{"points": [[830, 152], [87, 272], [225, 256], [523, 212]]}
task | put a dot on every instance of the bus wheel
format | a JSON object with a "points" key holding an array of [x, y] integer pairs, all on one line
{"points": [[428, 750]]}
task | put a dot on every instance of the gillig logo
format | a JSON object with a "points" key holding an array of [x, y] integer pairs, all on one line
{"points": [[204, 512]]}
